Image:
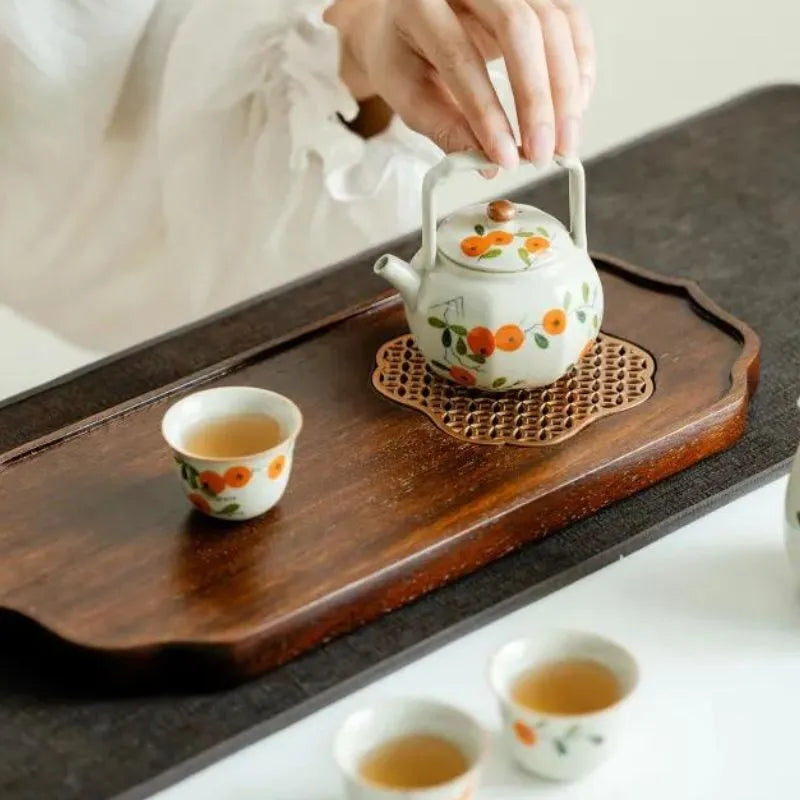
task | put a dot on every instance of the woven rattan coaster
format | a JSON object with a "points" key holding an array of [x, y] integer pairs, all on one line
{"points": [[614, 376]]}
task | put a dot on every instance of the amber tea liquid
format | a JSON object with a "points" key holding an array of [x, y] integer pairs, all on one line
{"points": [[413, 762], [571, 686], [233, 437]]}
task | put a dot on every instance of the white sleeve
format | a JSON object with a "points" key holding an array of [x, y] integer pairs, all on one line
{"points": [[248, 132]]}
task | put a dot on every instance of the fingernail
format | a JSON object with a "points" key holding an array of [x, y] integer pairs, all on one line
{"points": [[586, 88], [542, 144], [508, 156], [489, 172], [570, 135]]}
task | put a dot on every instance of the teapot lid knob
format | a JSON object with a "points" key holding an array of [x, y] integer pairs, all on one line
{"points": [[501, 211]]}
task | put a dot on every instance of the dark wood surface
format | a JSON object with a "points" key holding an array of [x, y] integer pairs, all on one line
{"points": [[98, 546]]}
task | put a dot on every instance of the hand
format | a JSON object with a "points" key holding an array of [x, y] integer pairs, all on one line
{"points": [[427, 60]]}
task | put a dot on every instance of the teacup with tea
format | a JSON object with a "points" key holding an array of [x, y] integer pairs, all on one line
{"points": [[233, 448], [410, 748], [561, 696]]}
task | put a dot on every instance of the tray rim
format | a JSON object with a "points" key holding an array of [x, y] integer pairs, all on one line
{"points": [[744, 371]]}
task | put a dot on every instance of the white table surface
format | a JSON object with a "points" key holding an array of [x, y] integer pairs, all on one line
{"points": [[712, 613]]}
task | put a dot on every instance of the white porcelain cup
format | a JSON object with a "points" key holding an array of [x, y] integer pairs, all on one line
{"points": [[560, 746], [232, 488], [376, 725]]}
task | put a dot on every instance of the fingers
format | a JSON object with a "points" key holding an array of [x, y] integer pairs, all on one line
{"points": [[562, 67], [521, 38], [583, 41], [428, 108], [435, 30]]}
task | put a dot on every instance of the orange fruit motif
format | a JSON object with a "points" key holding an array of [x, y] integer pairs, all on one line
{"points": [[237, 477], [481, 341], [536, 244], [554, 321], [500, 237], [199, 502], [509, 338], [475, 245], [211, 481], [587, 348], [276, 466], [462, 376], [525, 733]]}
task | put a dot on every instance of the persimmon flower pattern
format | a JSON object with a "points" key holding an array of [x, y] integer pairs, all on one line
{"points": [[487, 244], [466, 348], [542, 735]]}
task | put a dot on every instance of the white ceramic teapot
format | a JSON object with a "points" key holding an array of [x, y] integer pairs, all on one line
{"points": [[791, 520], [501, 296]]}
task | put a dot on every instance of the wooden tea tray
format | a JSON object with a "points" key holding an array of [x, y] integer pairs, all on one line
{"points": [[98, 546]]}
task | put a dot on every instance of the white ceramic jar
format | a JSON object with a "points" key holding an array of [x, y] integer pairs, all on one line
{"points": [[791, 518], [500, 296]]}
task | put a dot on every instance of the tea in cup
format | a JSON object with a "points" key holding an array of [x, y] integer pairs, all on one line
{"points": [[233, 448], [414, 749], [561, 695]]}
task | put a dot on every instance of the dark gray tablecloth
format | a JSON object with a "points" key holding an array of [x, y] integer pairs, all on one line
{"points": [[716, 198]]}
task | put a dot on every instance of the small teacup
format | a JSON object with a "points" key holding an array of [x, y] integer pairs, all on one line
{"points": [[560, 746], [234, 488], [371, 727]]}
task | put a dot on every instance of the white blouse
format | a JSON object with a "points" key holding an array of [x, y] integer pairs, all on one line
{"points": [[163, 159]]}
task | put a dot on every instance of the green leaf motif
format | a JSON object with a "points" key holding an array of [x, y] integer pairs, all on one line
{"points": [[460, 330], [543, 231], [524, 255], [493, 253], [231, 508], [436, 322], [541, 340], [480, 230], [596, 322], [193, 482], [461, 346], [184, 472], [439, 365], [585, 289], [477, 358], [581, 315], [561, 748], [447, 338], [526, 234], [567, 300], [498, 382]]}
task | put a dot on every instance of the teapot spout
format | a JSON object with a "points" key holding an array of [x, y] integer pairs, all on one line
{"points": [[401, 275]]}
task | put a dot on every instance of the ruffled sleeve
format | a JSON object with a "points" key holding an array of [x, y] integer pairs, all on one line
{"points": [[249, 129], [310, 70]]}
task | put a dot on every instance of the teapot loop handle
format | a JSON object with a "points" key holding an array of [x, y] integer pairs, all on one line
{"points": [[460, 162]]}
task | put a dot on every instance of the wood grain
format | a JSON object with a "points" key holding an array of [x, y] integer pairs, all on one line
{"points": [[98, 545]]}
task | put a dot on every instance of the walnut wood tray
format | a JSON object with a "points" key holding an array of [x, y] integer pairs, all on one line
{"points": [[98, 546]]}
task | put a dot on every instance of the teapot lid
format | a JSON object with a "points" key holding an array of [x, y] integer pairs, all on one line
{"points": [[502, 237]]}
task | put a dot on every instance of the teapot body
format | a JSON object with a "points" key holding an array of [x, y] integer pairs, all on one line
{"points": [[501, 331], [500, 296]]}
